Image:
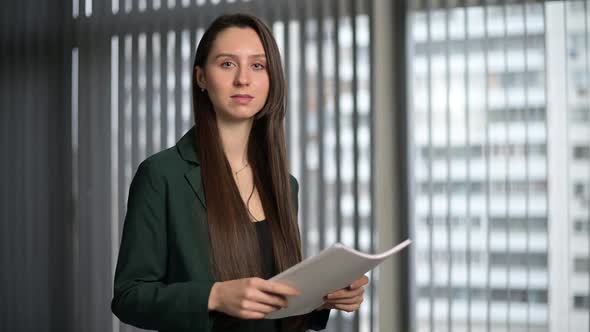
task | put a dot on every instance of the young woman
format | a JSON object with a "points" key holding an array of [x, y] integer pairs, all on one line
{"points": [[210, 219]]}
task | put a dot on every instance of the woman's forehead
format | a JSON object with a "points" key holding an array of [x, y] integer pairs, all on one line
{"points": [[237, 42]]}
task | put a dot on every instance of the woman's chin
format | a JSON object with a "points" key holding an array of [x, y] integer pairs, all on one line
{"points": [[238, 117]]}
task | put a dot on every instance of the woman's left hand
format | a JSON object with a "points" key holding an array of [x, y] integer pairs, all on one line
{"points": [[348, 299]]}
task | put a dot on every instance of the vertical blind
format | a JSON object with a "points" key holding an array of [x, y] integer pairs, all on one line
{"points": [[131, 97], [33, 169], [481, 136]]}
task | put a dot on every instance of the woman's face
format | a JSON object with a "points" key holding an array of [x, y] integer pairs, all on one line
{"points": [[235, 74]]}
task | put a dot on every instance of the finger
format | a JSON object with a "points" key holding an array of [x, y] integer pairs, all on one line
{"points": [[359, 282], [276, 288], [344, 293], [257, 307], [278, 301], [347, 307], [347, 292], [245, 314], [352, 300]]}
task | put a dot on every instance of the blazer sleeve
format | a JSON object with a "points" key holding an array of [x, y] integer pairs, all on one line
{"points": [[318, 319], [141, 297]]}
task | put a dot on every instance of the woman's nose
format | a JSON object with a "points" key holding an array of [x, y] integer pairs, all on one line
{"points": [[242, 76]]}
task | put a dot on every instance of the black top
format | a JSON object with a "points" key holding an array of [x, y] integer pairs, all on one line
{"points": [[265, 238]]}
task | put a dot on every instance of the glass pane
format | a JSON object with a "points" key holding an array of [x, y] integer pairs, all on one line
{"points": [[485, 156], [480, 175]]}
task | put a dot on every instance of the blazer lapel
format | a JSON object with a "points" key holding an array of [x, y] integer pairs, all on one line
{"points": [[187, 150], [194, 179]]}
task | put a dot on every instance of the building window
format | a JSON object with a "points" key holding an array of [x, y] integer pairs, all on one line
{"points": [[581, 226], [581, 302], [581, 193], [480, 294], [581, 152], [533, 260], [519, 224], [581, 265]]}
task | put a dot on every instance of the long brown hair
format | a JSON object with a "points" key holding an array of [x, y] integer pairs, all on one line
{"points": [[235, 252]]}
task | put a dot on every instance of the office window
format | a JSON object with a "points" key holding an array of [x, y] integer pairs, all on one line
{"points": [[488, 147]]}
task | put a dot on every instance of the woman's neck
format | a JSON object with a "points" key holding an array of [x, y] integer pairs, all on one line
{"points": [[234, 137]]}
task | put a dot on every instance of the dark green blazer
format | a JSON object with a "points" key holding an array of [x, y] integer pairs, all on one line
{"points": [[163, 279]]}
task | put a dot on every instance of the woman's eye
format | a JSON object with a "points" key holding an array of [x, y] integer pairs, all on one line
{"points": [[258, 66], [226, 64]]}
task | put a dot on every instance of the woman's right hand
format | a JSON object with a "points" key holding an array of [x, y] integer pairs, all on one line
{"points": [[249, 298]]}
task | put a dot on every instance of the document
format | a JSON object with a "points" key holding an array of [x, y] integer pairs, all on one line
{"points": [[334, 268]]}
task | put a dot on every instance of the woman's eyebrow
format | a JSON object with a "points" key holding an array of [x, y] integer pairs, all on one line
{"points": [[221, 55]]}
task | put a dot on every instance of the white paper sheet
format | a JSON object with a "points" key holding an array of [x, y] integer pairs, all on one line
{"points": [[334, 268]]}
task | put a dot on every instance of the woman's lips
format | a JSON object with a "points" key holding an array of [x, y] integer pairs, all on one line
{"points": [[242, 99]]}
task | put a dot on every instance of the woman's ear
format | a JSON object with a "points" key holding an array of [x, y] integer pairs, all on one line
{"points": [[200, 74]]}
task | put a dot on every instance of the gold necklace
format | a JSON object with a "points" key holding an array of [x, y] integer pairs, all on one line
{"points": [[236, 175], [251, 193], [241, 169]]}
